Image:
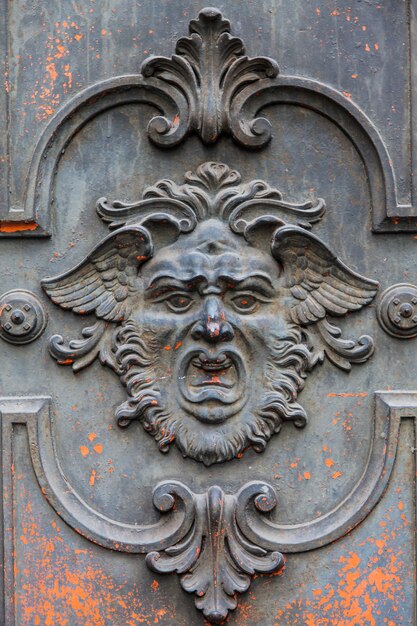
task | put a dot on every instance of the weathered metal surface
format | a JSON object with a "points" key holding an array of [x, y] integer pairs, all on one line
{"points": [[22, 316], [214, 360], [397, 310]]}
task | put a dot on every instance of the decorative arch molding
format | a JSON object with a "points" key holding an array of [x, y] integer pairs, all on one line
{"points": [[390, 408], [179, 88], [251, 541]]}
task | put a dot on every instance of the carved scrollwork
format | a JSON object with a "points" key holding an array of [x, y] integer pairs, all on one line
{"points": [[214, 306], [79, 352], [210, 69], [215, 541], [216, 560]]}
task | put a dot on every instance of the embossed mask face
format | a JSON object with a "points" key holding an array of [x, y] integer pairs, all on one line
{"points": [[221, 366], [212, 335]]}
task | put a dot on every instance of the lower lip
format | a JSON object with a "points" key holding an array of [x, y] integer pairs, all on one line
{"points": [[213, 401], [214, 373]]}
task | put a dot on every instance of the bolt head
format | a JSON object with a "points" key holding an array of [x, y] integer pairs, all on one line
{"points": [[406, 309], [27, 326], [17, 317], [7, 326]]}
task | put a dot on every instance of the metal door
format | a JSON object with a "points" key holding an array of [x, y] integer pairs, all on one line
{"points": [[208, 312]]}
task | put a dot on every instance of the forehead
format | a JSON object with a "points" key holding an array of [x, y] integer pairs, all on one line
{"points": [[211, 250]]}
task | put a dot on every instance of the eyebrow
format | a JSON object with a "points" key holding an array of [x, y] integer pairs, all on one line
{"points": [[168, 282], [237, 281], [165, 281]]}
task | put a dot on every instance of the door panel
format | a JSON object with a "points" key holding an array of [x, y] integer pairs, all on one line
{"points": [[207, 314]]}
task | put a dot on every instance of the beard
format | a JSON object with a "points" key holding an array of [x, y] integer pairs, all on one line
{"points": [[136, 355]]}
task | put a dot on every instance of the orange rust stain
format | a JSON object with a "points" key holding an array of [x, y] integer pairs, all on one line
{"points": [[367, 48], [50, 546], [329, 462], [84, 450], [361, 394], [176, 120], [51, 69], [376, 46], [155, 585], [307, 475], [98, 448], [336, 474], [360, 593], [92, 478], [14, 227], [66, 362], [91, 437], [103, 31], [178, 345], [167, 347], [60, 53]]}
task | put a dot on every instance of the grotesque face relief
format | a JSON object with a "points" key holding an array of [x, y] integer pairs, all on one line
{"points": [[214, 329]]}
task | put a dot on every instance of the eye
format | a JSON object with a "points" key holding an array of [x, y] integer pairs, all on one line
{"points": [[245, 303], [179, 302]]}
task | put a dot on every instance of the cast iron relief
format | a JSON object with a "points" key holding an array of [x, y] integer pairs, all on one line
{"points": [[220, 283], [234, 305], [210, 71]]}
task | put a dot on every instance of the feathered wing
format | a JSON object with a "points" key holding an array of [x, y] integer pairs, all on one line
{"points": [[319, 282], [105, 281]]}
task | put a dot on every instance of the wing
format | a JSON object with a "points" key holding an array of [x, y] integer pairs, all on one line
{"points": [[319, 282], [105, 281]]}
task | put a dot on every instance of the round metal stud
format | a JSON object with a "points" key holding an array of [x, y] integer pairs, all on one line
{"points": [[397, 310], [22, 316]]}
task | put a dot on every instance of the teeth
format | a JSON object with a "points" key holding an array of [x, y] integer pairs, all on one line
{"points": [[212, 366]]}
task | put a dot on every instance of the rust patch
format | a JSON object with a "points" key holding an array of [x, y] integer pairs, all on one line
{"points": [[15, 227], [84, 450], [360, 394]]}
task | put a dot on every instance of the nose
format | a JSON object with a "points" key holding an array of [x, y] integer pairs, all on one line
{"points": [[212, 326]]}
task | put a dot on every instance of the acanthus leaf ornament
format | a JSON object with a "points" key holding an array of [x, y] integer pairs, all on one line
{"points": [[213, 306], [248, 539], [216, 560], [209, 70]]}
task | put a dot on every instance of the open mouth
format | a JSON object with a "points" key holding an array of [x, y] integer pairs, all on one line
{"points": [[220, 372], [212, 386]]}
